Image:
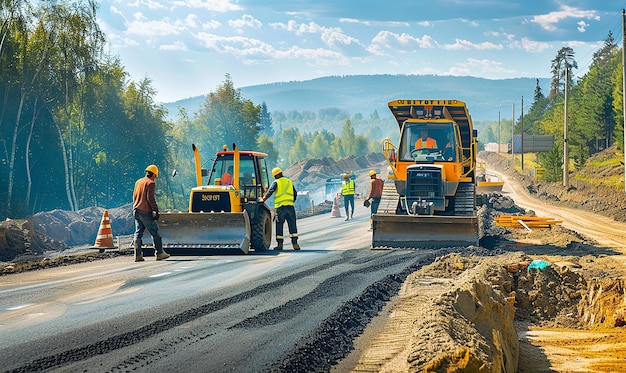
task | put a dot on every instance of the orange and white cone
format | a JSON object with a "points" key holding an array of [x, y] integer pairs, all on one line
{"points": [[335, 213], [104, 239]]}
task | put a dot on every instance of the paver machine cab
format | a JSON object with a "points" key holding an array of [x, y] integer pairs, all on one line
{"points": [[225, 215], [431, 202]]}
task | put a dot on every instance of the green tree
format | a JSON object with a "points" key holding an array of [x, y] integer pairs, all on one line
{"points": [[266, 121], [348, 139], [266, 145], [562, 62], [227, 118], [299, 151]]}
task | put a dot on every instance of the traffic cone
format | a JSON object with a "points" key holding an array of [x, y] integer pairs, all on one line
{"points": [[104, 239], [335, 213]]}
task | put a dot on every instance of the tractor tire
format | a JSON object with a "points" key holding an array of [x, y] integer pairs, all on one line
{"points": [[261, 237]]}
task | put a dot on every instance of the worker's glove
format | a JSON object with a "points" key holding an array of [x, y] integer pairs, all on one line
{"points": [[155, 215], [366, 203]]}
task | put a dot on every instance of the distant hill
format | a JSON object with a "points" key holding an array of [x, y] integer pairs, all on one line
{"points": [[366, 93]]}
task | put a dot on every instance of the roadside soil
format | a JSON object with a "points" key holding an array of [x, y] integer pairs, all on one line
{"points": [[548, 300]]}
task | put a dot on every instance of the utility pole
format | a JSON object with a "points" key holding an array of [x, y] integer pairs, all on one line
{"points": [[499, 133], [565, 153], [513, 134], [624, 84], [522, 133]]}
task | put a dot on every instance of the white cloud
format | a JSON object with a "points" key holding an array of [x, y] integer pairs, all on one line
{"points": [[488, 66], [150, 4], [582, 26], [461, 44], [334, 36], [177, 46], [212, 5], [211, 25], [246, 21], [391, 40], [251, 51], [122, 42], [192, 20], [143, 27], [530, 45], [115, 10], [331, 36], [548, 21]]}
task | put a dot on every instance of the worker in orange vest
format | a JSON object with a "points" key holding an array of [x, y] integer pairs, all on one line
{"points": [[425, 142]]}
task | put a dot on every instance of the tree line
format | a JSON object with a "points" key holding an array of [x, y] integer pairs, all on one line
{"points": [[594, 109]]}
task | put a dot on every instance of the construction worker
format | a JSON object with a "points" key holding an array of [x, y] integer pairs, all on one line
{"points": [[347, 191], [424, 141], [284, 201], [227, 178], [146, 213], [375, 193]]}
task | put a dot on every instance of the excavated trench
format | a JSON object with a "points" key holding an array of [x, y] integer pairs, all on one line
{"points": [[495, 315], [550, 302]]}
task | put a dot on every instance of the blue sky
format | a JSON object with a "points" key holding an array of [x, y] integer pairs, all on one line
{"points": [[188, 46]]}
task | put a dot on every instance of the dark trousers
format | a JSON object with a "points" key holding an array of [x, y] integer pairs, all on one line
{"points": [[286, 213], [143, 221], [375, 202], [348, 200]]}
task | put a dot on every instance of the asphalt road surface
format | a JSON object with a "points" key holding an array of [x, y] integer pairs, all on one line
{"points": [[285, 311]]}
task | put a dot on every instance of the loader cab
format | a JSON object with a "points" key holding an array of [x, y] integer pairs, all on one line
{"points": [[428, 142], [253, 172]]}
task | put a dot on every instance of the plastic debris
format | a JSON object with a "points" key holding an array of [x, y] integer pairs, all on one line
{"points": [[539, 264]]}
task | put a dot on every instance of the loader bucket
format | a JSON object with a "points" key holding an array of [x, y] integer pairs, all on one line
{"points": [[205, 233], [423, 231], [485, 187]]}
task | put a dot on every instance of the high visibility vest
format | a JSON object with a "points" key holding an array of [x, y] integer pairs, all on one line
{"points": [[284, 193], [347, 188], [430, 143]]}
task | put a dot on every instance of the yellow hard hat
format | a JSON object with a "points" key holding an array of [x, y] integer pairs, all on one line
{"points": [[372, 172], [152, 168], [276, 171]]}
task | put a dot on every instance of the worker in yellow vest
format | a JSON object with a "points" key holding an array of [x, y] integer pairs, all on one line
{"points": [[285, 195], [347, 191]]}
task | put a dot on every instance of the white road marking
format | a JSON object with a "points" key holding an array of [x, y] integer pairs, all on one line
{"points": [[18, 307], [162, 274]]}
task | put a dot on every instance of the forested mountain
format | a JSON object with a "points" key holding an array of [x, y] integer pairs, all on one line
{"points": [[366, 93]]}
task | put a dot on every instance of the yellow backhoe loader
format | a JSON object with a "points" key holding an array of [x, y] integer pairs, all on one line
{"points": [[429, 200], [225, 215]]}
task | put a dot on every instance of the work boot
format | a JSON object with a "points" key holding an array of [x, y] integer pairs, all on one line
{"points": [[347, 216], [295, 246], [158, 246], [163, 255], [138, 251], [279, 246]]}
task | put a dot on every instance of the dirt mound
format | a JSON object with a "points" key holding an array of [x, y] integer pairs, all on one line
{"points": [[57, 230], [81, 227], [18, 239], [312, 174]]}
